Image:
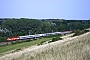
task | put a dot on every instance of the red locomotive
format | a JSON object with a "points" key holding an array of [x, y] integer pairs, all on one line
{"points": [[13, 38]]}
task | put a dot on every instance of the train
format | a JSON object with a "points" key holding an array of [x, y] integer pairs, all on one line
{"points": [[35, 36]]}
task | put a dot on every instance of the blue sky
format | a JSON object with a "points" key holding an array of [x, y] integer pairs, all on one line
{"points": [[66, 9]]}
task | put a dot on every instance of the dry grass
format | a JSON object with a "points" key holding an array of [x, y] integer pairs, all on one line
{"points": [[75, 48]]}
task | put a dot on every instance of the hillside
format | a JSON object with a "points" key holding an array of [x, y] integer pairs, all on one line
{"points": [[21, 27], [73, 48]]}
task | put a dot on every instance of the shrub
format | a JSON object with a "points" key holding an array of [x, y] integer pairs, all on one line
{"points": [[56, 39], [86, 30], [3, 39], [42, 42], [79, 32]]}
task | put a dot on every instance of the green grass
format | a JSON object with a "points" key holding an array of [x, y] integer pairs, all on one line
{"points": [[21, 45], [8, 48]]}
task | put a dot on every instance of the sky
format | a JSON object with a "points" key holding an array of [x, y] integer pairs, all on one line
{"points": [[44, 9]]}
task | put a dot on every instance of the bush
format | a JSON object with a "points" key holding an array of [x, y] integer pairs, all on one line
{"points": [[79, 32], [86, 30], [42, 42], [3, 39], [56, 39]]}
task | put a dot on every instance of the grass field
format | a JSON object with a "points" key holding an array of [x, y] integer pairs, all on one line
{"points": [[75, 48], [19, 46]]}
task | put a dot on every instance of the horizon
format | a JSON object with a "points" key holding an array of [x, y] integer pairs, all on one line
{"points": [[41, 18]]}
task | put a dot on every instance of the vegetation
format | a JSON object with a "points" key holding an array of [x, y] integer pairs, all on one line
{"points": [[3, 39], [56, 39], [69, 50], [23, 44], [19, 27], [79, 32], [75, 48]]}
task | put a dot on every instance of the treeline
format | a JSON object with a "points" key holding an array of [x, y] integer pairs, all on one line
{"points": [[23, 26]]}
